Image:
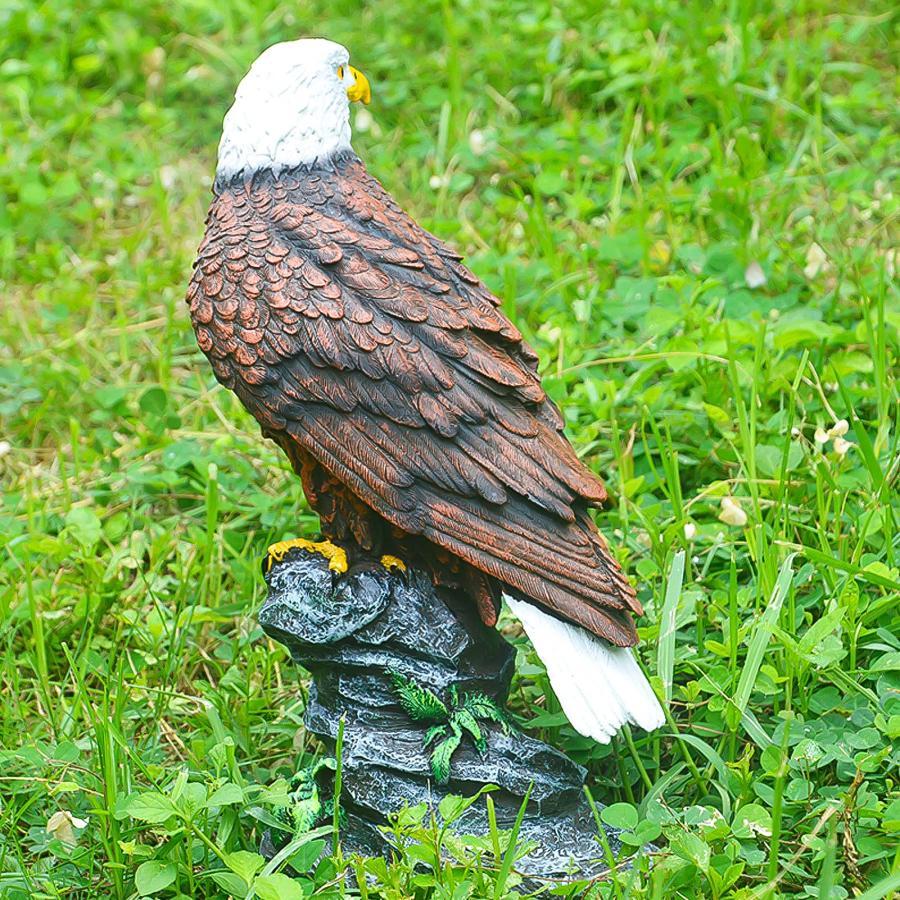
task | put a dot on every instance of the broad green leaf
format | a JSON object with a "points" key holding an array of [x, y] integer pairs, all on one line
{"points": [[154, 876], [452, 806], [84, 525], [891, 820], [692, 848], [307, 856], [717, 414], [707, 821], [232, 884], [269, 819], [820, 629], [620, 815], [644, 833], [751, 821], [192, 799], [887, 662], [154, 401], [244, 863], [277, 887], [226, 794], [150, 806]]}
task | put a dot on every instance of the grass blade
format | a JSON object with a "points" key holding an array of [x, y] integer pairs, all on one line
{"points": [[665, 652], [510, 855], [762, 635], [338, 787], [885, 888]]}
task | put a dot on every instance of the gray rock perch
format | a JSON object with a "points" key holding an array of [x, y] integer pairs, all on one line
{"points": [[352, 632]]}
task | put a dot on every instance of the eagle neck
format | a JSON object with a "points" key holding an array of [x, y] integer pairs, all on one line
{"points": [[292, 177], [283, 131]]}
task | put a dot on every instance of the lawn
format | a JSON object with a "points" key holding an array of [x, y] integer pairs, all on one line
{"points": [[687, 208]]}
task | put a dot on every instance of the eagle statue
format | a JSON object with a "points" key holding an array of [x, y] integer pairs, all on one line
{"points": [[405, 400]]}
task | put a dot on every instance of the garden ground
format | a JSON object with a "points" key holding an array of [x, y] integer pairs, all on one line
{"points": [[687, 208]]}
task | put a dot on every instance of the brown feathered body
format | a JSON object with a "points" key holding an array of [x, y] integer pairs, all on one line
{"points": [[407, 402]]}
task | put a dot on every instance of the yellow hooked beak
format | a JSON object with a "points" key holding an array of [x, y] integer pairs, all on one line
{"points": [[360, 89]]}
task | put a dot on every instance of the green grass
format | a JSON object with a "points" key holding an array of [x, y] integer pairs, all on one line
{"points": [[624, 176]]}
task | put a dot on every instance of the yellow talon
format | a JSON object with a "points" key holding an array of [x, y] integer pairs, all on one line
{"points": [[336, 556], [392, 563]]}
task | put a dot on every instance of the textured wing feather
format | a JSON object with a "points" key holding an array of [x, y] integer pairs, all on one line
{"points": [[343, 325]]}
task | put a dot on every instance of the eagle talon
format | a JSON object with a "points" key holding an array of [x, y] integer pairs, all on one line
{"points": [[336, 556], [393, 563]]}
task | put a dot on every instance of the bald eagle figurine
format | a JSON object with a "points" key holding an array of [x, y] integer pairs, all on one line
{"points": [[405, 400]]}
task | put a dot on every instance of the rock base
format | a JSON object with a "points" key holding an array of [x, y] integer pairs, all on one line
{"points": [[352, 632]]}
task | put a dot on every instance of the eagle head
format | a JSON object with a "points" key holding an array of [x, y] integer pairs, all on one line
{"points": [[292, 108]]}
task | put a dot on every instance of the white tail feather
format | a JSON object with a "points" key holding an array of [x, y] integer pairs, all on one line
{"points": [[600, 687]]}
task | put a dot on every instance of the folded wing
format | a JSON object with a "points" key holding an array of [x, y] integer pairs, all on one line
{"points": [[341, 323]]}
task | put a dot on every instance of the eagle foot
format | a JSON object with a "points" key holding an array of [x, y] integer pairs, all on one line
{"points": [[393, 563], [336, 556]]}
